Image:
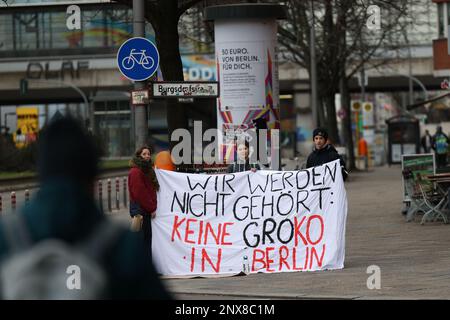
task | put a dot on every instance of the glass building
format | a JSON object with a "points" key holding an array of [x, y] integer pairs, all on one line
{"points": [[74, 71]]}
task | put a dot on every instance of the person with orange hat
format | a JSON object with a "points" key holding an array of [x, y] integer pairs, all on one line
{"points": [[363, 152]]}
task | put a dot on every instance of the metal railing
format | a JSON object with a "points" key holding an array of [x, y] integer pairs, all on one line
{"points": [[11, 202]]}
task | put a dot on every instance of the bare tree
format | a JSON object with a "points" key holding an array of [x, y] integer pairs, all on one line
{"points": [[195, 33], [344, 45], [164, 16]]}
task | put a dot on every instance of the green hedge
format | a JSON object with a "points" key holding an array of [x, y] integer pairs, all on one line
{"points": [[13, 159]]}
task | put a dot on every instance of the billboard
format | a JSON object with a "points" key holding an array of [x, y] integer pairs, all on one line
{"points": [[199, 67], [27, 126]]}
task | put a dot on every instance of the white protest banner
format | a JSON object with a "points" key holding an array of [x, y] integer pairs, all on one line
{"points": [[263, 221]]}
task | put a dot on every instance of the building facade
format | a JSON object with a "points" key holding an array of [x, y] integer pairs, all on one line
{"points": [[75, 71]]}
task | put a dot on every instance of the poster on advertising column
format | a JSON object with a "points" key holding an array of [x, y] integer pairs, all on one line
{"points": [[242, 71], [247, 72], [264, 221]]}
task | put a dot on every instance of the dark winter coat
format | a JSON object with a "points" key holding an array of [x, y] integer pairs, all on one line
{"points": [[142, 192], [63, 210], [143, 199], [325, 155]]}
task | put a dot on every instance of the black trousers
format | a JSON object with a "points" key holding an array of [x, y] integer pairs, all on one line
{"points": [[441, 160], [147, 232]]}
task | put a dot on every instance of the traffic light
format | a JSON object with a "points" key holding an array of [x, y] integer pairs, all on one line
{"points": [[23, 86]]}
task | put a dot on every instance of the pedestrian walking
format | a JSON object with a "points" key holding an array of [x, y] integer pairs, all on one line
{"points": [[440, 146], [243, 159], [61, 241], [363, 152], [143, 185], [324, 152], [427, 142]]}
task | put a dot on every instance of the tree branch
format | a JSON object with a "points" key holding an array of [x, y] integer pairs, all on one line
{"points": [[184, 5]]}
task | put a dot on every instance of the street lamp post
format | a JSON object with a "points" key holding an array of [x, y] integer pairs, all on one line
{"points": [[363, 84], [77, 89], [313, 74], [411, 79]]}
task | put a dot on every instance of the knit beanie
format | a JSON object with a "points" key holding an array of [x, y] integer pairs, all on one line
{"points": [[320, 132]]}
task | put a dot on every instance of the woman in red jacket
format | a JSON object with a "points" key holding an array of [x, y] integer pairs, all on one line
{"points": [[143, 185]]}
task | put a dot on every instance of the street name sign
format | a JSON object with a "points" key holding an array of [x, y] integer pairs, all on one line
{"points": [[185, 89]]}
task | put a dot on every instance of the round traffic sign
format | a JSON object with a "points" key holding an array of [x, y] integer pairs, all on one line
{"points": [[138, 59], [368, 107], [356, 106]]}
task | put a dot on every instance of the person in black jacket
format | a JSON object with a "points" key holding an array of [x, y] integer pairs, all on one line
{"points": [[324, 152]]}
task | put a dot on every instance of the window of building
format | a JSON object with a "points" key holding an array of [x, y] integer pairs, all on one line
{"points": [[6, 31], [441, 20], [25, 30], [447, 7]]}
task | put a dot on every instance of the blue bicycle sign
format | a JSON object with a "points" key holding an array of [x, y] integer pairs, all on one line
{"points": [[146, 62], [138, 59]]}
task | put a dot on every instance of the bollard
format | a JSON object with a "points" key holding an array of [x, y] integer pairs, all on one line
{"points": [[109, 195], [27, 195], [1, 204], [13, 201], [100, 195], [117, 193], [125, 192]]}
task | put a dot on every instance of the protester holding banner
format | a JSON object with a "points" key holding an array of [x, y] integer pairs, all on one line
{"points": [[243, 162], [263, 221], [324, 152], [143, 185]]}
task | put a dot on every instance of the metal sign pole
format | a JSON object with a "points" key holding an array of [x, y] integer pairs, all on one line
{"points": [[140, 111]]}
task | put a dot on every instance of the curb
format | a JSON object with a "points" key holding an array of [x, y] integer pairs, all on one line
{"points": [[294, 296], [266, 296]]}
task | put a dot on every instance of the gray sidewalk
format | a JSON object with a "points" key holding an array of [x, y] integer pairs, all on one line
{"points": [[414, 259]]}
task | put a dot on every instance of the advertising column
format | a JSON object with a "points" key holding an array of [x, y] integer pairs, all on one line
{"points": [[247, 71]]}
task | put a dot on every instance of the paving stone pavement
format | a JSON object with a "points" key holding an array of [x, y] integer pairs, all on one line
{"points": [[414, 259]]}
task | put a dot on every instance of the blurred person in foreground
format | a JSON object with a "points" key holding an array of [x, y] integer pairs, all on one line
{"points": [[324, 152], [64, 226]]}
